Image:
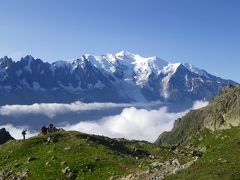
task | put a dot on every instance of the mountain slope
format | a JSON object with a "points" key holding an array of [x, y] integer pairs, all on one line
{"points": [[73, 155], [220, 159], [123, 77], [213, 132], [221, 113]]}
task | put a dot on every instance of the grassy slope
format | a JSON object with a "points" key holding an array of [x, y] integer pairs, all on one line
{"points": [[221, 160], [91, 157], [222, 112]]}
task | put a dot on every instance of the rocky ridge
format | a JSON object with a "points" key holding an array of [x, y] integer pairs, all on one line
{"points": [[5, 136], [221, 113]]}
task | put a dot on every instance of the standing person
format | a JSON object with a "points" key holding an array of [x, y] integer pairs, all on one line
{"points": [[43, 130], [24, 132], [50, 127]]}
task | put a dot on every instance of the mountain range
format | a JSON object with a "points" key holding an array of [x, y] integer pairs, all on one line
{"points": [[123, 77]]}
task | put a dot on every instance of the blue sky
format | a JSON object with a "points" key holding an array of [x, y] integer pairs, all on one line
{"points": [[205, 33]]}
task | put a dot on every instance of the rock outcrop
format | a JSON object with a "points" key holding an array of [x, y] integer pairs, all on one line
{"points": [[221, 113], [5, 136]]}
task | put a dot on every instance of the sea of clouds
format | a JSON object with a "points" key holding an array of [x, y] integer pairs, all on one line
{"points": [[133, 122], [53, 109]]}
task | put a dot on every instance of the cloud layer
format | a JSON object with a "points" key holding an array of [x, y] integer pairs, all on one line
{"points": [[52, 109], [131, 123]]}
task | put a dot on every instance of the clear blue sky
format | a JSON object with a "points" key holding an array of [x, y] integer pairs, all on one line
{"points": [[205, 33]]}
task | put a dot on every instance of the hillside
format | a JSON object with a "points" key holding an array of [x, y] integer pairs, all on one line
{"points": [[220, 159], [221, 113], [73, 155], [214, 133]]}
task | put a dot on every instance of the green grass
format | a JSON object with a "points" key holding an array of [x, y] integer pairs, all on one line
{"points": [[97, 157], [89, 156], [220, 161]]}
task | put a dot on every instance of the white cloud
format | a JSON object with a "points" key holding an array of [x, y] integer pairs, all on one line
{"points": [[52, 109], [131, 123]]}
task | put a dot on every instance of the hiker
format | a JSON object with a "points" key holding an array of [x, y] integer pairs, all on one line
{"points": [[43, 130], [51, 128], [24, 132]]}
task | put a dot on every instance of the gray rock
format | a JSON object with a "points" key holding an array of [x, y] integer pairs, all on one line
{"points": [[71, 176], [176, 163], [49, 140], [53, 158], [67, 148], [151, 156], [32, 158], [16, 165], [156, 165], [66, 170]]}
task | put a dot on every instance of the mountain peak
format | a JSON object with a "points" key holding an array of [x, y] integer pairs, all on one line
{"points": [[196, 70], [5, 62], [5, 59], [128, 76], [28, 58], [125, 55]]}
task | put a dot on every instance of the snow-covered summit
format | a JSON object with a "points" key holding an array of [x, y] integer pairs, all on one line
{"points": [[126, 63], [196, 70], [119, 77]]}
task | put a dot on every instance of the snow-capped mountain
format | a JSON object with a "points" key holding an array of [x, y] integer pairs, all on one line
{"points": [[123, 77]]}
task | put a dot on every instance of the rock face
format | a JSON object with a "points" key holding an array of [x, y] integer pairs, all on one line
{"points": [[221, 113], [123, 77], [4, 136]]}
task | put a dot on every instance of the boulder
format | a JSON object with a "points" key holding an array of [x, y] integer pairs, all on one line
{"points": [[156, 165], [176, 163]]}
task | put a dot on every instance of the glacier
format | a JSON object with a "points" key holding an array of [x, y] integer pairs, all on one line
{"points": [[120, 77]]}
